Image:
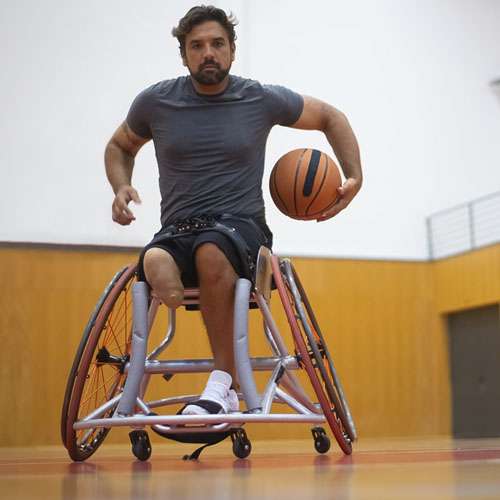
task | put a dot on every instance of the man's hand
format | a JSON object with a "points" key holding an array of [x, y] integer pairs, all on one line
{"points": [[120, 211], [346, 193], [119, 160], [318, 115]]}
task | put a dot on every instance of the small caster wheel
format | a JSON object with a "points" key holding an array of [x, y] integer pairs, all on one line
{"points": [[321, 440], [241, 444], [141, 446]]}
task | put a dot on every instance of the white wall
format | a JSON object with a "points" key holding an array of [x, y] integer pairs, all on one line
{"points": [[411, 76]]}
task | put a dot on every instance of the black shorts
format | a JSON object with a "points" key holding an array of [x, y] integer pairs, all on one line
{"points": [[239, 238]]}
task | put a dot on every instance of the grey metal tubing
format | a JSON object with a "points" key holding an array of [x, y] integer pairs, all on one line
{"points": [[231, 418], [99, 412], [270, 339], [177, 400], [272, 329], [241, 356], [143, 406], [291, 384], [169, 336], [206, 365], [288, 381], [157, 403], [293, 403], [153, 309], [268, 396], [138, 349]]}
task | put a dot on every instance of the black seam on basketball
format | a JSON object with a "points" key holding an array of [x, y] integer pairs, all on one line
{"points": [[326, 208], [273, 178], [320, 185], [297, 170], [312, 169]]}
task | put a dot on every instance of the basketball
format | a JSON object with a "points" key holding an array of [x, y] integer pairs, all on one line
{"points": [[303, 183]]}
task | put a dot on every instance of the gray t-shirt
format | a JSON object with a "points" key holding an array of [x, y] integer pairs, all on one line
{"points": [[210, 149]]}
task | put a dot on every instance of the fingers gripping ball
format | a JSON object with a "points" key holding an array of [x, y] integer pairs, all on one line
{"points": [[304, 183]]}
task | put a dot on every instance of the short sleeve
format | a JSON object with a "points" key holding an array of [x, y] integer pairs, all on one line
{"points": [[284, 105], [139, 115]]}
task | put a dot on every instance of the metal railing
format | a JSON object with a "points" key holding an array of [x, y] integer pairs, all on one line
{"points": [[464, 227]]}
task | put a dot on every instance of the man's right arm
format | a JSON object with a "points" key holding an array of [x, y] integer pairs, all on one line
{"points": [[119, 161]]}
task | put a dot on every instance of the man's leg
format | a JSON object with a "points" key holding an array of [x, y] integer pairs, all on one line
{"points": [[163, 277], [217, 280]]}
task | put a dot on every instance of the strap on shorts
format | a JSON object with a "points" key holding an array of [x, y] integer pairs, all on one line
{"points": [[203, 223]]}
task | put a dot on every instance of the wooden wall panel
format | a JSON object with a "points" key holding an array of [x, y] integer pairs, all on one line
{"points": [[389, 347], [379, 319], [469, 280]]}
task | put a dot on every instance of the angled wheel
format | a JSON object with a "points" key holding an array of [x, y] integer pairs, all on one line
{"points": [[242, 447], [97, 374], [314, 353], [321, 441], [141, 446]]}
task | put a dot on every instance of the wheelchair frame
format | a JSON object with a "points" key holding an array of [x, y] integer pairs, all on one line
{"points": [[95, 402]]}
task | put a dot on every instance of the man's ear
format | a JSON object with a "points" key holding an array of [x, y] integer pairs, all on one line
{"points": [[183, 56], [233, 51]]}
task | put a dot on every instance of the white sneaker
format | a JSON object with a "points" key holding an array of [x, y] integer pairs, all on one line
{"points": [[233, 401], [216, 398]]}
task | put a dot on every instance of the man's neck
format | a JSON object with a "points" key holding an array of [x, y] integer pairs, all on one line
{"points": [[210, 89]]}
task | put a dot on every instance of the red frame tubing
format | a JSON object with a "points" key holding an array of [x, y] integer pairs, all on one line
{"points": [[86, 360], [345, 445]]}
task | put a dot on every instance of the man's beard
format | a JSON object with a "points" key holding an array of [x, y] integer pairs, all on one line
{"points": [[211, 77]]}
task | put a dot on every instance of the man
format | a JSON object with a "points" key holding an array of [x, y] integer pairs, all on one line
{"points": [[209, 130]]}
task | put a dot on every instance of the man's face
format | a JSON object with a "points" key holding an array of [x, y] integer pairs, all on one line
{"points": [[208, 53]]}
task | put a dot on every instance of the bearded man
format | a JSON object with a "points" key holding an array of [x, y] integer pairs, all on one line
{"points": [[209, 131]]}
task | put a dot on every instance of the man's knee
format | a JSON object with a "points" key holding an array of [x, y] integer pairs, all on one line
{"points": [[163, 276], [212, 264]]}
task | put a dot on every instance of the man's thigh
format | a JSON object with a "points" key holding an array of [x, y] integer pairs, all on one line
{"points": [[180, 248]]}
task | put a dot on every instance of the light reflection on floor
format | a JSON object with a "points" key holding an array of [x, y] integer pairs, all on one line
{"points": [[378, 469]]}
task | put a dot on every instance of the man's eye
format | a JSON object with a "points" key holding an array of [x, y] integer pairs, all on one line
{"points": [[219, 43]]}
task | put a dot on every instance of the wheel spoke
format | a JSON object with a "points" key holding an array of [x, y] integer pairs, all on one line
{"points": [[115, 318], [113, 336], [96, 390], [117, 327]]}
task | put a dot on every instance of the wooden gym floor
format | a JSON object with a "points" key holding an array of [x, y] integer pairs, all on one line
{"points": [[441, 469]]}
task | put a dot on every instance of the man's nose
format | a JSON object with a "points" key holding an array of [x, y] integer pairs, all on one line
{"points": [[208, 51]]}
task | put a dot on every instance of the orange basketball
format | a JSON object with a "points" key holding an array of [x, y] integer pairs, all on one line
{"points": [[304, 183]]}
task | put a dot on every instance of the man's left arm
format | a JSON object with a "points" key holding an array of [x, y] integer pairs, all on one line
{"points": [[318, 115]]}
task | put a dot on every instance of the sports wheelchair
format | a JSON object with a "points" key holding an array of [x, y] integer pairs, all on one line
{"points": [[111, 371]]}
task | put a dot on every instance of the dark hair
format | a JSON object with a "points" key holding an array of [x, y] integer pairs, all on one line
{"points": [[200, 14]]}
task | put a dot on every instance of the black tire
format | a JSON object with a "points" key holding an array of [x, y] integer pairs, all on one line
{"points": [[321, 440], [98, 359], [141, 446], [242, 447]]}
